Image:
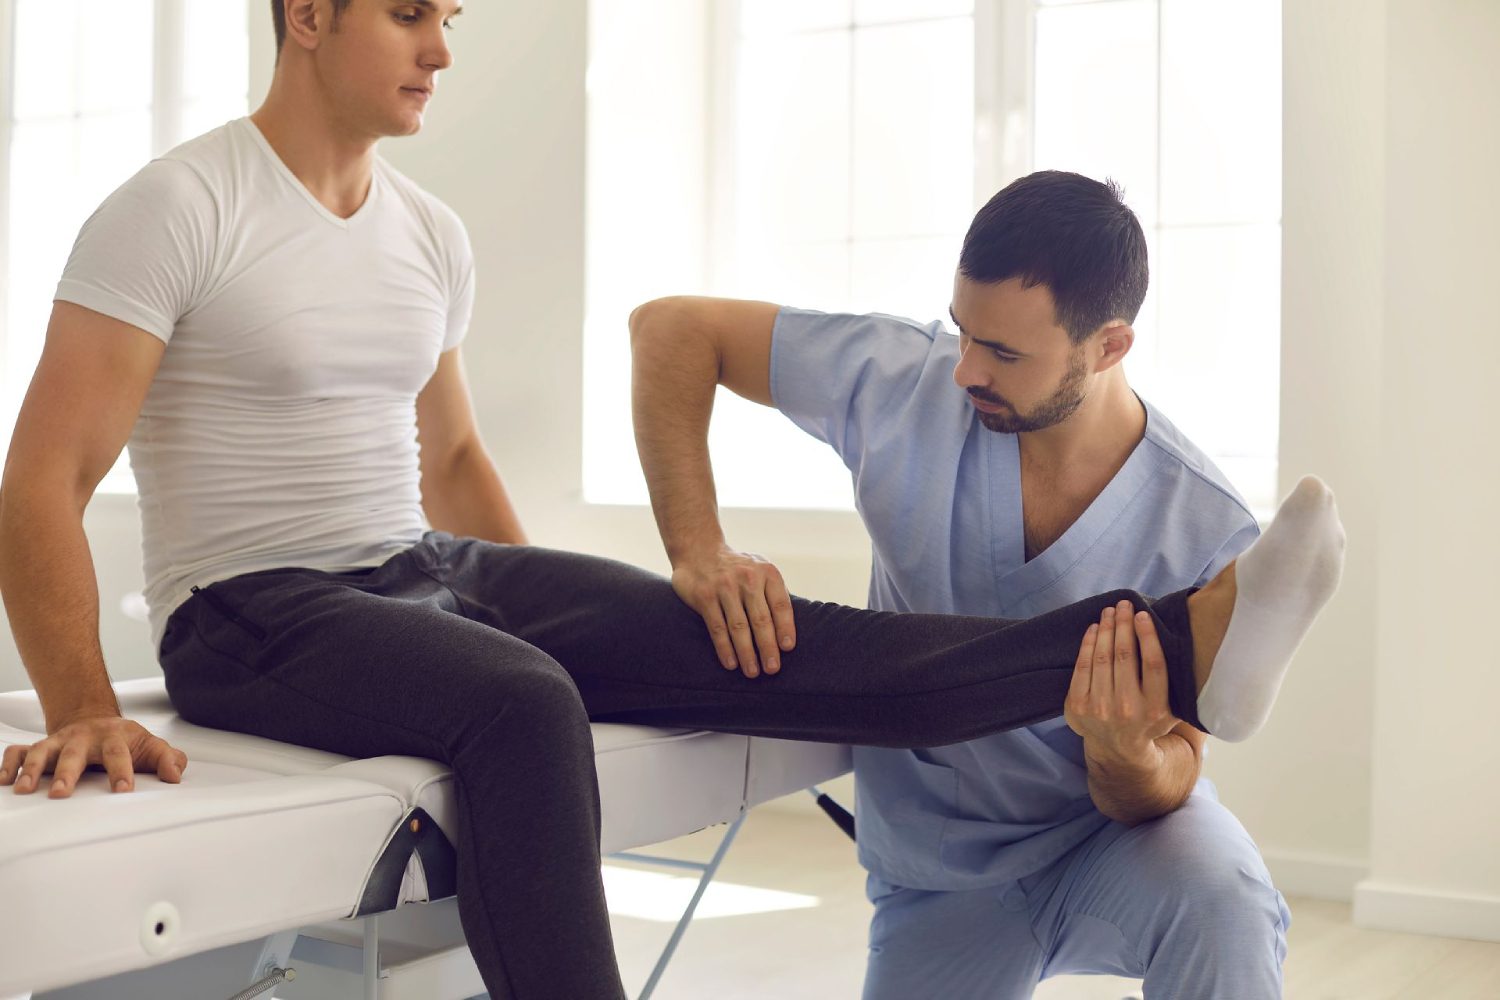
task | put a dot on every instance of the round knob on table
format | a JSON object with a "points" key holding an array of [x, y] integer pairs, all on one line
{"points": [[159, 928]]}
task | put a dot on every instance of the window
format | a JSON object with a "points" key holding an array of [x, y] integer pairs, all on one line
{"points": [[1180, 101], [94, 89], [830, 154]]}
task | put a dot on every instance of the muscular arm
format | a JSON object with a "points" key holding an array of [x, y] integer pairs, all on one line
{"points": [[1160, 781], [461, 490], [683, 348], [82, 402]]}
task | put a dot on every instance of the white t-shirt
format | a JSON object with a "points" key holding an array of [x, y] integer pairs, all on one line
{"points": [[280, 429]]}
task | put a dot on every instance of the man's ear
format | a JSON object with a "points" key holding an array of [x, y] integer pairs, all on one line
{"points": [[1114, 340], [304, 18]]}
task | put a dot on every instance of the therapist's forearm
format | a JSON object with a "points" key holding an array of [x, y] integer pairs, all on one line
{"points": [[1134, 791], [674, 376], [467, 499], [52, 600]]}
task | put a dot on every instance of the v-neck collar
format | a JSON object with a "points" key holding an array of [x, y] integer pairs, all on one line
{"points": [[1017, 578], [280, 166]]}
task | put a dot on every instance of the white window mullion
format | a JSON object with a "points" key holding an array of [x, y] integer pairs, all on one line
{"points": [[1004, 90], [101, 91], [167, 97], [722, 80], [790, 213]]}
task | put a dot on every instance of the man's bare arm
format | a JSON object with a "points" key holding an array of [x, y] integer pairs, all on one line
{"points": [[461, 489], [1133, 792], [83, 400], [683, 349]]}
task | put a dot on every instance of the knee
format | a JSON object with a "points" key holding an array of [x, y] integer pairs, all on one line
{"points": [[542, 689], [1229, 906], [1214, 878], [522, 698]]}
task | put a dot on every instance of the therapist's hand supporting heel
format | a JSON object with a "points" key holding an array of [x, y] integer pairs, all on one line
{"points": [[118, 745]]}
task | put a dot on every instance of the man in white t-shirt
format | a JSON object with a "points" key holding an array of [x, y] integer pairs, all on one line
{"points": [[270, 315]]}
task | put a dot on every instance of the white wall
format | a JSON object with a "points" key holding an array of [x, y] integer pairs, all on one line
{"points": [[1436, 797], [1302, 787], [1377, 775]]}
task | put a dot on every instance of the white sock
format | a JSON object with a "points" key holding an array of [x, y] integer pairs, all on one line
{"points": [[1283, 579]]}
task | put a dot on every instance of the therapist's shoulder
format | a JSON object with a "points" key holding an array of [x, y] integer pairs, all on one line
{"points": [[822, 360], [838, 375], [875, 330], [1196, 483], [860, 349]]}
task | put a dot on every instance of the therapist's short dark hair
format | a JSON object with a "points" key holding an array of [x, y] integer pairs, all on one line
{"points": [[278, 18], [1070, 233]]}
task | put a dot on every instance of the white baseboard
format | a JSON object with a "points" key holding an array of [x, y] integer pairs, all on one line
{"points": [[1315, 876], [1389, 907]]}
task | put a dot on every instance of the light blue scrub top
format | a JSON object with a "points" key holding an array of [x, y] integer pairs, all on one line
{"points": [[941, 498]]}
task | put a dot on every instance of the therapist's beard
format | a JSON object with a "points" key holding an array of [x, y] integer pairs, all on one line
{"points": [[1065, 399]]}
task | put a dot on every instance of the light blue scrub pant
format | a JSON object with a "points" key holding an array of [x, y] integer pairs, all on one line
{"points": [[1183, 901]]}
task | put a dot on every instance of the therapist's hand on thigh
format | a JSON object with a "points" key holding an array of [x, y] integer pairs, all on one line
{"points": [[745, 604], [120, 746]]}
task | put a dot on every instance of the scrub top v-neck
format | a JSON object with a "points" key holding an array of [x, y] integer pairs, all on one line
{"points": [[941, 497]]}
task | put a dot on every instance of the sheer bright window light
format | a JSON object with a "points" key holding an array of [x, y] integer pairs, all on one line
{"points": [[913, 122], [216, 64], [647, 191], [783, 17], [1186, 113], [1096, 95], [91, 85], [838, 142], [877, 11]]}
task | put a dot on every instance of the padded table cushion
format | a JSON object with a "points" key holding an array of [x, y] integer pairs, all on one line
{"points": [[263, 836]]}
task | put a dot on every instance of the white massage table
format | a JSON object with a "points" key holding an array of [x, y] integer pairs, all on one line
{"points": [[271, 857]]}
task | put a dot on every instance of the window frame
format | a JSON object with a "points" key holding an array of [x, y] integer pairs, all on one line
{"points": [[168, 106], [1004, 141]]}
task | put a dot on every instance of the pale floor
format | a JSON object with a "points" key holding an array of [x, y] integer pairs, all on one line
{"points": [[816, 952]]}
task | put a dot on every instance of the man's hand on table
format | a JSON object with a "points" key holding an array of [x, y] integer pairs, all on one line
{"points": [[120, 746]]}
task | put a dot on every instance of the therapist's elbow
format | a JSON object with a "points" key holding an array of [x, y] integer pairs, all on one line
{"points": [[674, 344], [658, 319], [644, 317]]}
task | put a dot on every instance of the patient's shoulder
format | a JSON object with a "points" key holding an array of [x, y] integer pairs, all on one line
{"points": [[440, 221]]}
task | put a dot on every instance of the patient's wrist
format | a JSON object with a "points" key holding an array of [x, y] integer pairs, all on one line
{"points": [[95, 709]]}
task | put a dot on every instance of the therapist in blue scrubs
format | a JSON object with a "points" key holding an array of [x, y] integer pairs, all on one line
{"points": [[1004, 471]]}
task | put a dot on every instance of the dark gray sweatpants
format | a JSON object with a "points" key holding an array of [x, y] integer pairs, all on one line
{"points": [[494, 658]]}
